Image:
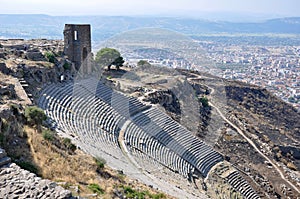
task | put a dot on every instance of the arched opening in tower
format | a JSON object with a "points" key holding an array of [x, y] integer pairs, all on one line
{"points": [[84, 54]]}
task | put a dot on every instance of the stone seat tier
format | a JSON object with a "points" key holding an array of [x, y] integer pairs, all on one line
{"points": [[240, 184], [96, 113]]}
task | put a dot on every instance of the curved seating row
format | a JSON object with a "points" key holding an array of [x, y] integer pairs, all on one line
{"points": [[176, 138], [126, 106], [76, 110], [241, 185], [160, 127], [94, 112], [136, 138], [89, 108]]}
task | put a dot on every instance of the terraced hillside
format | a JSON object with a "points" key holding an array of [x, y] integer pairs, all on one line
{"points": [[140, 140]]}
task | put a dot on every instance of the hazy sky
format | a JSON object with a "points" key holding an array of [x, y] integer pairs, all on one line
{"points": [[149, 7]]}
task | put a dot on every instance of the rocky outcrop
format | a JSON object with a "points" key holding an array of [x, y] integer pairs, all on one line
{"points": [[7, 91], [3, 68], [166, 99], [35, 55], [3, 158], [19, 183]]}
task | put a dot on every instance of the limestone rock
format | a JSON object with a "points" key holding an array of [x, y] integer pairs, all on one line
{"points": [[19, 183], [35, 55]]}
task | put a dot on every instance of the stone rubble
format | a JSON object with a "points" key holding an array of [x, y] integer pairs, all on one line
{"points": [[19, 183]]}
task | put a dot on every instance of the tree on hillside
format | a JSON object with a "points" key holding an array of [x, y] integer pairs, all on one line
{"points": [[143, 63], [109, 57]]}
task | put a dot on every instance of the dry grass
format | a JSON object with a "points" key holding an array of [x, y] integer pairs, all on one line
{"points": [[25, 144], [78, 169], [57, 165]]}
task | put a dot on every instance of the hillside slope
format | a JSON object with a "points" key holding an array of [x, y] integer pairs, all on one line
{"points": [[256, 132]]}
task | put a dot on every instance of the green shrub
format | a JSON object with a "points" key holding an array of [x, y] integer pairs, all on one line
{"points": [[14, 108], [131, 193], [67, 66], [72, 147], [204, 101], [95, 188], [28, 166], [50, 56], [34, 115], [128, 189], [158, 196], [48, 135], [67, 142], [100, 163]]}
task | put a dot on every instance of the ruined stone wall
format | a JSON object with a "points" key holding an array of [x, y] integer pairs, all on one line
{"points": [[77, 44]]}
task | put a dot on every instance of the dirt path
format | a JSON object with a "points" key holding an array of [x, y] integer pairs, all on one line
{"points": [[252, 143], [256, 148]]}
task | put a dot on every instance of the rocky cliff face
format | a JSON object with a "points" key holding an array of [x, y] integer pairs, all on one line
{"points": [[166, 99], [259, 101], [22, 68], [14, 181], [35, 62]]}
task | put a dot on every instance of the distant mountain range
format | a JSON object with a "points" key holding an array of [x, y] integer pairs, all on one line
{"points": [[103, 27]]}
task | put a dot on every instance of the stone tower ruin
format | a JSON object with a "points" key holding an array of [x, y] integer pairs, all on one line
{"points": [[77, 45]]}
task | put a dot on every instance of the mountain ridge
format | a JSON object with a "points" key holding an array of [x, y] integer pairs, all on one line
{"points": [[46, 26]]}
